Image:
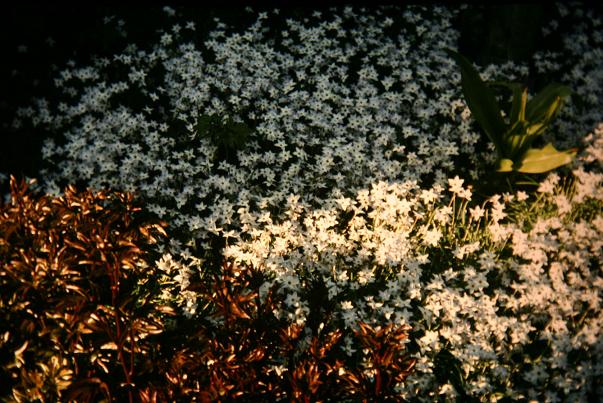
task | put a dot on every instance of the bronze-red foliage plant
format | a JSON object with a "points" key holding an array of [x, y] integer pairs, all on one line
{"points": [[80, 319], [252, 355], [74, 325]]}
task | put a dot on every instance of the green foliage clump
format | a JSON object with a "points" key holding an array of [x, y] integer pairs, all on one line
{"points": [[224, 133], [527, 121]]}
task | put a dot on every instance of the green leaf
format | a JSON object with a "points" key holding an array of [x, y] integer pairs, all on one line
{"points": [[539, 160], [518, 110], [529, 181], [535, 129], [447, 368], [505, 165], [203, 125], [515, 143], [541, 106], [481, 102], [518, 106], [235, 134], [223, 133], [552, 109], [520, 139]]}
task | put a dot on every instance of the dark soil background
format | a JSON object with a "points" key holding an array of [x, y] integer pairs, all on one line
{"points": [[38, 39]]}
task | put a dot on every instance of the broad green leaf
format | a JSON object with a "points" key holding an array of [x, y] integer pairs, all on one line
{"points": [[539, 160], [540, 104], [481, 102], [505, 165]]}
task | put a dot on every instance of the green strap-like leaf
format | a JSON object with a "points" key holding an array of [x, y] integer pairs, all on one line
{"points": [[481, 102], [520, 138], [541, 106], [517, 144], [535, 129], [518, 111], [552, 110], [518, 106], [539, 160]]}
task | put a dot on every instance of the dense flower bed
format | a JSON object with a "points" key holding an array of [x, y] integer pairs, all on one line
{"points": [[342, 170]]}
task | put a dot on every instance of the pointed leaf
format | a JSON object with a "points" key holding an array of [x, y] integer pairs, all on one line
{"points": [[518, 144], [518, 106], [515, 143], [552, 110], [541, 160], [535, 129], [481, 102], [541, 103], [518, 110]]}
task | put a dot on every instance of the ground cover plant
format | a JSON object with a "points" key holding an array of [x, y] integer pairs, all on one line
{"points": [[335, 154], [73, 314]]}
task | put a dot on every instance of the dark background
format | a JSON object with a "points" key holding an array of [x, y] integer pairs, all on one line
{"points": [[489, 34]]}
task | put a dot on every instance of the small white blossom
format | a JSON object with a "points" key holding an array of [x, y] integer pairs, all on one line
{"points": [[456, 185]]}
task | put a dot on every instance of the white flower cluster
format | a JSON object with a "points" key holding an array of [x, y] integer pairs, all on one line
{"points": [[345, 253], [175, 279], [321, 122], [357, 127], [542, 303]]}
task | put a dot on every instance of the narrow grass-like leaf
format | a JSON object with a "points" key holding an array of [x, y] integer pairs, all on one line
{"points": [[518, 109]]}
